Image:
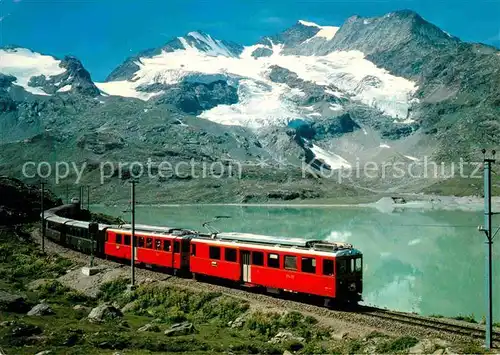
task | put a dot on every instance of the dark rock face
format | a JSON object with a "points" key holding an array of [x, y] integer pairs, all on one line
{"points": [[291, 36], [75, 76], [262, 52], [335, 126], [6, 80], [20, 203], [194, 98], [13, 303], [313, 92]]}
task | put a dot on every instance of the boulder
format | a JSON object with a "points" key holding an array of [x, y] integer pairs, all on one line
{"points": [[149, 328], [284, 336], [103, 312], [12, 303], [80, 307], [183, 328], [41, 309], [25, 330], [129, 307], [339, 336], [423, 347], [237, 323]]}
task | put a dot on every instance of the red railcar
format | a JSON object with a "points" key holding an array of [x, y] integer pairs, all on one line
{"points": [[330, 270], [155, 246]]}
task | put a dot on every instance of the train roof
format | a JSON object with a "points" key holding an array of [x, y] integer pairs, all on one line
{"points": [[154, 229], [56, 219], [319, 247], [262, 239]]}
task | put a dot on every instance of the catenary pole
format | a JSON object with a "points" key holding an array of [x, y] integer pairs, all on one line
{"points": [[489, 243], [42, 198], [132, 239]]}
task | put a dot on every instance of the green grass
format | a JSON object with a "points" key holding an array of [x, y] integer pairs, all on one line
{"points": [[466, 318], [21, 261], [396, 345]]}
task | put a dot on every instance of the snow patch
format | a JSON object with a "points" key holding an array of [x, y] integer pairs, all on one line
{"points": [[411, 158], [336, 107], [327, 32], [25, 64], [333, 160], [309, 24], [125, 89], [383, 145], [65, 88]]}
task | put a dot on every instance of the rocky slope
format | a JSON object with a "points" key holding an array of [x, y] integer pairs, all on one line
{"points": [[393, 88], [20, 203]]}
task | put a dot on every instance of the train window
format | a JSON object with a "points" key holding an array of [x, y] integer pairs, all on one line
{"points": [[327, 267], [140, 243], [193, 249], [214, 253], [158, 244], [230, 254], [352, 266], [127, 239], [290, 262], [257, 258], [309, 265], [358, 264], [118, 239], [273, 260], [167, 245], [149, 243], [106, 237], [342, 264]]}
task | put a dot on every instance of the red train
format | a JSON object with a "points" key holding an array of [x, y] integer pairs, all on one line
{"points": [[332, 271]]}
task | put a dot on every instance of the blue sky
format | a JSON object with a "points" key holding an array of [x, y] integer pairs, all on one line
{"points": [[102, 33]]}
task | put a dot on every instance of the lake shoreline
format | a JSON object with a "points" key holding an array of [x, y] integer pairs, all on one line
{"points": [[384, 204]]}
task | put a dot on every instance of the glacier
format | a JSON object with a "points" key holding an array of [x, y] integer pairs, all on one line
{"points": [[263, 102]]}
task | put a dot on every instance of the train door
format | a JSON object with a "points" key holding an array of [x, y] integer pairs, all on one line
{"points": [[185, 250], [246, 269]]}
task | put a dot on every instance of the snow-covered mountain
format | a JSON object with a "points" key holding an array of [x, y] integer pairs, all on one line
{"points": [[389, 87], [44, 75], [347, 76]]}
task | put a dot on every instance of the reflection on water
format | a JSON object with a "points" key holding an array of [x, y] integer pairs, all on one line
{"points": [[430, 262]]}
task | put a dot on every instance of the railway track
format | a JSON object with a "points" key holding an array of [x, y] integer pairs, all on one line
{"points": [[467, 330], [429, 325]]}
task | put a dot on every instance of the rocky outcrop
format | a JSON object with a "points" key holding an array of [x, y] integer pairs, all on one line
{"points": [[75, 79], [180, 329], [149, 328], [194, 98], [41, 309], [13, 303], [20, 203]]}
